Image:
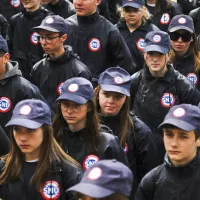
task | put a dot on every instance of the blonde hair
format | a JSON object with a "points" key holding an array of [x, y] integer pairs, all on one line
{"points": [[143, 9]]}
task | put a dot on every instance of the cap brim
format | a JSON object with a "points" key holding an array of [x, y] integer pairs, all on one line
{"points": [[181, 28], [72, 97], [91, 190], [133, 5], [115, 88], [156, 48], [38, 28], [24, 122], [178, 123]]}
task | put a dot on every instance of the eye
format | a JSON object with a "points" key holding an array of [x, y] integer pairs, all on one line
{"points": [[106, 94], [31, 130], [119, 96], [168, 134], [16, 128]]}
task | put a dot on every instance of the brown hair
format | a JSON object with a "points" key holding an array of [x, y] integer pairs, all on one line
{"points": [[92, 125], [197, 134], [192, 48], [125, 119], [49, 152]]}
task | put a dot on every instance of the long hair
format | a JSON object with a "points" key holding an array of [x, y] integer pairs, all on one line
{"points": [[162, 4], [125, 120], [143, 9], [92, 125], [49, 152], [193, 48]]}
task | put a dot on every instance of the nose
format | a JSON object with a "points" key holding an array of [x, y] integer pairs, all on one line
{"points": [[174, 142], [180, 39], [23, 137], [111, 99]]}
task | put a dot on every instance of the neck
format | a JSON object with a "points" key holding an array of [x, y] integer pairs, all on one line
{"points": [[75, 128], [3, 72], [33, 9], [181, 53], [57, 54], [53, 2], [160, 73], [133, 27]]}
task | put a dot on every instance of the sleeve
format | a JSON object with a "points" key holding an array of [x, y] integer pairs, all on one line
{"points": [[187, 92], [146, 188], [119, 52]]}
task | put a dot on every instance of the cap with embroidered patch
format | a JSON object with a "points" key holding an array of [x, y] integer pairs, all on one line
{"points": [[77, 89], [53, 23], [181, 22], [183, 116], [133, 3], [30, 113], [157, 41], [105, 178]]}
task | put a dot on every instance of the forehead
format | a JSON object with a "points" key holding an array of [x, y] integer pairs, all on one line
{"points": [[176, 130], [45, 32], [182, 31]]}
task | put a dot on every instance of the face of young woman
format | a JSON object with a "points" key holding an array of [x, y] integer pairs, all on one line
{"points": [[29, 141], [111, 102], [74, 114], [132, 16]]}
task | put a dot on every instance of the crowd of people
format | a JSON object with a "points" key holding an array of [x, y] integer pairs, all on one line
{"points": [[99, 99]]}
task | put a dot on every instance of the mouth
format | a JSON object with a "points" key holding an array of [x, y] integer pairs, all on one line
{"points": [[174, 152], [24, 146]]}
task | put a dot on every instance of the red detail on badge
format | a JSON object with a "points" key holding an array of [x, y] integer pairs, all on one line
{"points": [[156, 38], [165, 19], [15, 3], [59, 88], [193, 78], [140, 44], [126, 148], [89, 161], [94, 45], [167, 100], [5, 104], [33, 38], [51, 190]]}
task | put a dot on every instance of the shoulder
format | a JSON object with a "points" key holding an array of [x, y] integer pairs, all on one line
{"points": [[15, 17], [72, 20], [39, 64], [194, 13]]}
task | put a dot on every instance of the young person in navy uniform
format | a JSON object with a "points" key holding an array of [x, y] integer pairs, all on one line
{"points": [[77, 129], [36, 167], [112, 98], [163, 11], [134, 24], [179, 175], [59, 64], [23, 44], [97, 41], [105, 180], [184, 54], [159, 86], [13, 87]]}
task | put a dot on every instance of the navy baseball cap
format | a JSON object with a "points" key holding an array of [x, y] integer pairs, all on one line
{"points": [[30, 113], [77, 89], [183, 116], [157, 41], [115, 79], [105, 178], [181, 22], [133, 3], [53, 23], [3, 44]]}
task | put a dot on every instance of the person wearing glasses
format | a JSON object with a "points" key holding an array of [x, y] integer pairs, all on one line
{"points": [[158, 86], [77, 129], [134, 24], [59, 64], [184, 53], [22, 40], [13, 87]]}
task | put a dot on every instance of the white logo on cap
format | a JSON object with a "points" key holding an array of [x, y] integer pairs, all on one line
{"points": [[89, 161], [15, 3], [49, 20], [59, 88], [167, 100], [73, 87], [193, 78], [179, 112], [51, 190], [118, 80], [94, 45], [5, 104], [95, 173], [156, 38], [140, 44], [182, 20], [25, 110], [165, 19], [34, 38]]}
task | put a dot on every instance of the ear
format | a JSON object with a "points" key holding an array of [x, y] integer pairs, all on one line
{"points": [[198, 142], [6, 58], [98, 2], [63, 37], [145, 56]]}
